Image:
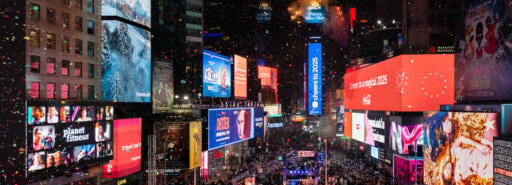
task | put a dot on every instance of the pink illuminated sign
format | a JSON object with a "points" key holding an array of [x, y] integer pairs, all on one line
{"points": [[403, 136]]}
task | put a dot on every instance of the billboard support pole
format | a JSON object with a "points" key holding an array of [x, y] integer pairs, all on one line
{"points": [[325, 161]]}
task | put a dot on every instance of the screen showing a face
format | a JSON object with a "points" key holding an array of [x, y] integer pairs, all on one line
{"points": [[459, 148], [228, 126], [36, 115]]}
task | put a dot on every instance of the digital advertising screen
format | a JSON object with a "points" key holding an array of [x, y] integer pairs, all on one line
{"points": [[315, 78], [315, 14], [374, 152], [259, 122], [268, 76], [64, 135], [404, 170], [347, 125], [227, 126], [163, 87], [358, 124], [482, 70], [402, 83], [195, 144], [240, 77], [403, 136], [126, 62], [502, 163], [172, 140], [375, 125], [138, 11], [127, 149], [216, 75], [459, 147]]}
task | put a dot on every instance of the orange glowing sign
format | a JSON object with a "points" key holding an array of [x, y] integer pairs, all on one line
{"points": [[240, 77]]}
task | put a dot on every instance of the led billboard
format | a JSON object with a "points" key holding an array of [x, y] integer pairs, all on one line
{"points": [[405, 170], [62, 135], [315, 14], [401, 136], [347, 124], [172, 141], [127, 149], [240, 77], [195, 144], [126, 62], [358, 130], [315, 79], [402, 83], [216, 75], [375, 125], [163, 87], [227, 126], [138, 11], [268, 77], [259, 122], [459, 148], [482, 70]]}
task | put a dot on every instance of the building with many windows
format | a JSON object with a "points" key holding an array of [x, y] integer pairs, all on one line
{"points": [[62, 49]]}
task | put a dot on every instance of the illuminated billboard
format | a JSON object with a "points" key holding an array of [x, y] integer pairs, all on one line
{"points": [[358, 125], [375, 125], [402, 83], [259, 122], [231, 125], [315, 79], [482, 70], [459, 147], [347, 124], [163, 87], [138, 11], [62, 135], [240, 77], [172, 142], [403, 136], [216, 75], [268, 77], [126, 62], [315, 14], [195, 144], [405, 170], [127, 149]]}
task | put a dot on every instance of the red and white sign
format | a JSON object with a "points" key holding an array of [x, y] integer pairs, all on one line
{"points": [[358, 126], [127, 149], [305, 153], [402, 83], [240, 77]]}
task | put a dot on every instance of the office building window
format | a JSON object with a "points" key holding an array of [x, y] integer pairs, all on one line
{"points": [[65, 20], [35, 12], [50, 41], [64, 91], [35, 63], [34, 90], [78, 69], [78, 91], [50, 66], [35, 38], [50, 90], [90, 6], [78, 4], [64, 70], [50, 15], [66, 46], [91, 70], [78, 47], [90, 49], [90, 92], [78, 24], [90, 27]]}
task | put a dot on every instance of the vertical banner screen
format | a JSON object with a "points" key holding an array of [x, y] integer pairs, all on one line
{"points": [[315, 78], [240, 77]]}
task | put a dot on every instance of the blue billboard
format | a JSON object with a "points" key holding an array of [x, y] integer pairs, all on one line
{"points": [[315, 78], [228, 126], [216, 75], [259, 117], [315, 14], [126, 62]]}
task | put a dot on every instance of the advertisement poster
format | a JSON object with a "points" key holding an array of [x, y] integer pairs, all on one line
{"points": [[127, 149], [375, 125], [216, 75], [268, 78], [163, 87], [240, 77], [315, 79], [126, 62], [459, 148], [138, 11], [483, 64], [347, 125], [358, 131], [402, 83], [195, 144], [404, 170], [227, 126], [401, 136], [172, 140], [259, 122]]}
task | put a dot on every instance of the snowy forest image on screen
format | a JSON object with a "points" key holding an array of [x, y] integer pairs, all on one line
{"points": [[126, 62]]}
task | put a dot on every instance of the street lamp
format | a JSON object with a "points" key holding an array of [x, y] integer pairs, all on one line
{"points": [[185, 97], [379, 22]]}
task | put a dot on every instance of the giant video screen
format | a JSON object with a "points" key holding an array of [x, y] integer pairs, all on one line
{"points": [[228, 126], [459, 148], [375, 125], [315, 79], [127, 149], [216, 75], [482, 70], [240, 79], [138, 11], [62, 135], [126, 61], [403, 135]]}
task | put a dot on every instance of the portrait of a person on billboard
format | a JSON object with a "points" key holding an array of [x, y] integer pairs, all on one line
{"points": [[36, 115], [43, 137], [53, 116], [102, 132], [64, 114], [36, 161], [54, 159], [243, 124]]}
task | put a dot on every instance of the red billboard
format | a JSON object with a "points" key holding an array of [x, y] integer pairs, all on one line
{"points": [[402, 83], [240, 77], [268, 77], [127, 149]]}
